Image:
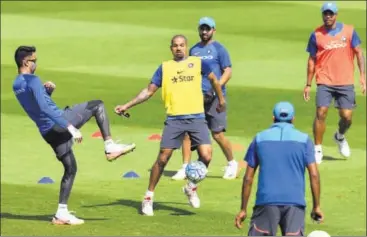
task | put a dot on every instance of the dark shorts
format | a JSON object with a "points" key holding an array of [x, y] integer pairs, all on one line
{"points": [[175, 130], [59, 138], [217, 122], [266, 219], [344, 96]]}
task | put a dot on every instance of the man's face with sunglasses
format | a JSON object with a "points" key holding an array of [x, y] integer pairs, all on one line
{"points": [[31, 62]]}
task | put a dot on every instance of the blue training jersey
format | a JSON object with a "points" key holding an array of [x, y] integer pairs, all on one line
{"points": [[37, 103], [218, 58], [282, 154], [157, 80]]}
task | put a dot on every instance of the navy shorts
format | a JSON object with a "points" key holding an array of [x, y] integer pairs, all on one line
{"points": [[344, 96], [217, 122], [266, 219], [175, 130]]}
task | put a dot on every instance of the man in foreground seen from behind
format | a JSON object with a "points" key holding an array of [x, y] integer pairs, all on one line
{"points": [[282, 153], [59, 127], [332, 48], [215, 54]]}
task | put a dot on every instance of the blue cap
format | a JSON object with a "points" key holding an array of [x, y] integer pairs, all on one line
{"points": [[207, 21], [329, 6], [283, 111]]}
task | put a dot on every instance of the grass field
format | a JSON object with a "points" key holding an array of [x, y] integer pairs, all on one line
{"points": [[109, 50]]}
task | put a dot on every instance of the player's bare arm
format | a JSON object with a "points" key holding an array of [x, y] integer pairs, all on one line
{"points": [[315, 189], [218, 90], [246, 192], [310, 74], [362, 67], [226, 76], [143, 96]]}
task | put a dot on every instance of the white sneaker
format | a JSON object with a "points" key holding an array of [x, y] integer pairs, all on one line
{"points": [[180, 175], [230, 171], [147, 206], [66, 218], [114, 150], [192, 196], [343, 146]]}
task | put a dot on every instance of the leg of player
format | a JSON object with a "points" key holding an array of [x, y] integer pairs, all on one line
{"points": [[63, 216], [190, 189], [319, 127], [186, 155], [339, 137], [79, 114], [155, 175]]}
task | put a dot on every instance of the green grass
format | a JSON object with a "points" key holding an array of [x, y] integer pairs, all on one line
{"points": [[109, 51]]}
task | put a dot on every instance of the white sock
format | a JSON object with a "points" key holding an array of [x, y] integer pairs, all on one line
{"points": [[318, 148], [232, 162], [62, 208], [184, 165], [149, 194], [108, 142], [339, 136]]}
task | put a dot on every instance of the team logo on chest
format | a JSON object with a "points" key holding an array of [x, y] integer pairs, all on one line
{"points": [[190, 65]]}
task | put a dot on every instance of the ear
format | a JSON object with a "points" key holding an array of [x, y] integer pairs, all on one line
{"points": [[273, 119]]}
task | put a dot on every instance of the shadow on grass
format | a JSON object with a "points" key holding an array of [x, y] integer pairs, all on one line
{"points": [[6, 215], [157, 206], [330, 158]]}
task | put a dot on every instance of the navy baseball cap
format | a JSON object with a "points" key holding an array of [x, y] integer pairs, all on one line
{"points": [[283, 111], [207, 21], [329, 6]]}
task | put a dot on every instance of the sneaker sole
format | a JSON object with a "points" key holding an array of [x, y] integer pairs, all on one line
{"points": [[114, 156], [56, 221]]}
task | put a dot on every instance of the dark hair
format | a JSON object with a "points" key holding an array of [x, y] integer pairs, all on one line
{"points": [[178, 36], [22, 52]]}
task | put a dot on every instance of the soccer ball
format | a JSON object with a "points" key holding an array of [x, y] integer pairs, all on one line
{"points": [[196, 171], [318, 233]]}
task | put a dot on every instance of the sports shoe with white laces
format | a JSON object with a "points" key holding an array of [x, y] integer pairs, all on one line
{"points": [[192, 195], [343, 145], [114, 150], [180, 175], [230, 171], [147, 206], [66, 218]]}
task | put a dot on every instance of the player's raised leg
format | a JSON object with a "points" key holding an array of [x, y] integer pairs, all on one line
{"points": [[324, 96], [172, 138], [186, 156], [345, 102], [79, 114], [200, 140]]}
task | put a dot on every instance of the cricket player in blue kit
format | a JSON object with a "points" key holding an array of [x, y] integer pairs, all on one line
{"points": [[217, 56], [60, 127], [283, 153]]}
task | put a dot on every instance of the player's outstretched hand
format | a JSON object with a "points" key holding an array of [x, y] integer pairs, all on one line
{"points": [[221, 107], [241, 216], [121, 110], [77, 135], [317, 215], [50, 86], [306, 93]]}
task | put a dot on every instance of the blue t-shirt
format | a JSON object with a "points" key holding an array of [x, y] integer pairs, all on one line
{"points": [[37, 103], [282, 153], [157, 80], [312, 45], [218, 58]]}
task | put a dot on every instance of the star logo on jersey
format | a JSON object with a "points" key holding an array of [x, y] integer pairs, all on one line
{"points": [[190, 65], [174, 79], [209, 51]]}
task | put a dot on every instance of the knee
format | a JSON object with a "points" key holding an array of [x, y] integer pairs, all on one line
{"points": [[164, 156], [217, 136], [321, 114], [95, 104], [206, 155], [346, 117]]}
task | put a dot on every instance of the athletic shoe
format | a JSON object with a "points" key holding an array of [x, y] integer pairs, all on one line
{"points": [[114, 150], [230, 171], [192, 196], [343, 146], [147, 206], [180, 175], [66, 218]]}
